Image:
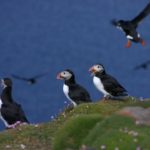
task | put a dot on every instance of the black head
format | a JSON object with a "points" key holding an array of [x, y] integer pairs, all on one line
{"points": [[32, 81], [65, 75], [118, 23], [6, 82], [121, 22]]}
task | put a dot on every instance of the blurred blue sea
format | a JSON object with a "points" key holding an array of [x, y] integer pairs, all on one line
{"points": [[51, 35]]}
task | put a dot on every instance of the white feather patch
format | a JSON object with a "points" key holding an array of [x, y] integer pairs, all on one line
{"points": [[0, 103], [129, 37], [1, 117], [98, 84], [66, 92]]}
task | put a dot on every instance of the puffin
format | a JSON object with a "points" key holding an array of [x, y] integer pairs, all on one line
{"points": [[143, 65], [11, 113], [106, 84], [129, 27], [74, 92], [30, 80]]}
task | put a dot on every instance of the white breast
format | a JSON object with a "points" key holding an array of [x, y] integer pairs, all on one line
{"points": [[0, 103], [98, 84], [66, 92], [1, 117]]}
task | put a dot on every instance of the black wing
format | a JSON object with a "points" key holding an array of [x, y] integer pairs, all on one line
{"points": [[20, 78], [13, 112], [79, 94], [113, 86], [40, 75], [27, 79], [142, 66], [142, 15]]}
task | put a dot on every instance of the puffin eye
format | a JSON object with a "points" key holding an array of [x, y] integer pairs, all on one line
{"points": [[64, 72], [98, 66]]}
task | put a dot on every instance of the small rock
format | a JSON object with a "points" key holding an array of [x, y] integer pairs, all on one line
{"points": [[84, 147], [103, 147], [133, 133], [140, 114], [22, 146], [8, 146], [36, 125], [135, 140]]}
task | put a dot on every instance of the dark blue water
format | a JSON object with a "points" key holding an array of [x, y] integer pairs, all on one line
{"points": [[51, 35]]}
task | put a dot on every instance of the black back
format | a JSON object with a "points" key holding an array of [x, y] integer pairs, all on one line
{"points": [[111, 85], [76, 92], [79, 94], [10, 110]]}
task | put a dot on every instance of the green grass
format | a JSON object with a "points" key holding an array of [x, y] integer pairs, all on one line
{"points": [[77, 128], [117, 131], [92, 124]]}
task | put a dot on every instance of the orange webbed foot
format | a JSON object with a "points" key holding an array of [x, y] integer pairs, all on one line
{"points": [[128, 45], [142, 42]]}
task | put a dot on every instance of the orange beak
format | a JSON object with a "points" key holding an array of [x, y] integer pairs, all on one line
{"points": [[92, 69], [59, 77]]}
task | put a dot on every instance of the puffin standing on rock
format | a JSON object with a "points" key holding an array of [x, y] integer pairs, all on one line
{"points": [[11, 113], [73, 91], [129, 27], [107, 84]]}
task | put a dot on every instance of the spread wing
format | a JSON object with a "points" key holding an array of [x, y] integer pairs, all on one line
{"points": [[40, 75], [20, 78], [27, 79], [141, 15], [142, 66]]}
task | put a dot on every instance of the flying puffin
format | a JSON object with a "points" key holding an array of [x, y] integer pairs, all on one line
{"points": [[11, 113], [107, 84], [73, 91], [129, 27], [143, 65], [31, 80]]}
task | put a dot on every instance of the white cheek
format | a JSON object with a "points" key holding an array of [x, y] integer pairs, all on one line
{"points": [[3, 84]]}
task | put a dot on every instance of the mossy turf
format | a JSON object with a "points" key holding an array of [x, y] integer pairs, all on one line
{"points": [[94, 125]]}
